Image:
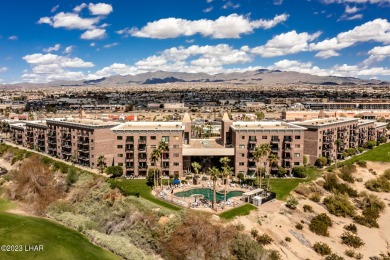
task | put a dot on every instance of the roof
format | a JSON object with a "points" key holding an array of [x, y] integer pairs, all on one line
{"points": [[326, 122], [206, 147], [152, 126], [83, 122], [265, 125], [253, 192]]}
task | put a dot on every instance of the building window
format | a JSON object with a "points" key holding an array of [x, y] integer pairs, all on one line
{"points": [[297, 137], [297, 146], [120, 155], [120, 164], [175, 146], [243, 137], [176, 138], [297, 155], [153, 137], [175, 164], [296, 163], [153, 146], [241, 164], [119, 146], [152, 164], [243, 155], [264, 137], [176, 172], [165, 139], [176, 155], [242, 146], [119, 137]]}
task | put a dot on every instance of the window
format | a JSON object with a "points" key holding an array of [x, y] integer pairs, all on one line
{"points": [[243, 155], [153, 138], [120, 164], [176, 138], [241, 164], [175, 146], [120, 155], [119, 137], [297, 146], [176, 155], [152, 164], [241, 172], [243, 137], [264, 137], [297, 137], [119, 146], [92, 140], [92, 156], [242, 146], [153, 146], [175, 164], [165, 139], [297, 155], [176, 172], [296, 163]]}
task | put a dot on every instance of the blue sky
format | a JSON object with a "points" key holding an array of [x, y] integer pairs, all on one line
{"points": [[42, 41]]}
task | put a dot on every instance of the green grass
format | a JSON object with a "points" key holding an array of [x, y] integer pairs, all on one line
{"points": [[378, 154], [283, 186], [238, 211], [58, 241], [139, 185]]}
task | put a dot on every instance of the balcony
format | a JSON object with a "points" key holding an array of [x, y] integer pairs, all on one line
{"points": [[83, 135], [251, 147], [165, 166], [83, 141], [67, 153], [142, 167], [287, 140], [129, 140], [84, 158], [142, 141], [129, 148], [129, 159], [274, 149], [129, 167], [142, 159], [252, 140], [275, 140]]}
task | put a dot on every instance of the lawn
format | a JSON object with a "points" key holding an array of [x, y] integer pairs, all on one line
{"points": [[58, 241], [238, 211], [139, 185], [283, 186]]}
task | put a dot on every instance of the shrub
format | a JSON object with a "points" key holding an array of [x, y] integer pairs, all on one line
{"points": [[321, 162], [350, 151], [386, 174], [299, 171], [322, 248], [346, 173], [351, 227], [379, 184], [361, 149], [264, 239], [371, 207], [292, 202], [114, 171], [361, 163], [350, 252], [364, 221], [243, 247], [334, 257], [351, 240], [371, 144], [274, 255], [287, 239], [307, 208], [254, 233], [299, 226], [359, 256], [339, 205], [332, 184], [319, 224], [315, 197], [282, 171]]}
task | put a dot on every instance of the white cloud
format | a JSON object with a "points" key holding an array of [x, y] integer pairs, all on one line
{"points": [[377, 30], [278, 2], [54, 8], [351, 10], [286, 43], [229, 5], [80, 7], [297, 66], [354, 17], [68, 49], [356, 1], [56, 47], [3, 69], [377, 54], [13, 38], [107, 46], [208, 10], [45, 59], [209, 1], [69, 21], [100, 9], [94, 34], [231, 26], [374, 71], [92, 44], [327, 54]]}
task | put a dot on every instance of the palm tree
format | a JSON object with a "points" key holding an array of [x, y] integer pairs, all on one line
{"points": [[338, 143], [162, 147], [273, 160], [226, 172], [258, 155], [154, 156], [101, 163], [196, 166], [214, 175]]}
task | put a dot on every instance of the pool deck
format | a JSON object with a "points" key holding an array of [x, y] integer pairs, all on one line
{"points": [[167, 193]]}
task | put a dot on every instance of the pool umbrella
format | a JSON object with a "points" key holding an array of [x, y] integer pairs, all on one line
{"points": [[176, 181]]}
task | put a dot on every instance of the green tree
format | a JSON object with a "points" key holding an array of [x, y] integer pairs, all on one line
{"points": [[260, 115], [101, 163], [162, 147], [227, 171], [338, 143], [214, 175], [154, 156], [258, 155], [114, 171], [304, 160], [196, 166], [273, 162]]}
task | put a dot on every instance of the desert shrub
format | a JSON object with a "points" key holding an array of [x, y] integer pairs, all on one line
{"points": [[364, 221], [282, 171], [350, 151], [299, 171], [274, 255], [292, 202], [339, 205], [114, 171], [361, 149], [371, 207], [346, 173], [254, 233], [359, 179], [302, 189], [351, 227], [299, 226], [307, 208], [334, 257], [386, 174], [361, 163], [321, 162], [359, 256], [322, 248], [319, 224], [350, 252], [371, 144], [351, 240], [332, 184], [240, 227], [264, 239], [379, 184], [243, 247], [287, 239], [71, 177], [315, 197]]}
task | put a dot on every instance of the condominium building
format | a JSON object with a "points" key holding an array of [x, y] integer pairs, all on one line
{"points": [[36, 135], [18, 133]]}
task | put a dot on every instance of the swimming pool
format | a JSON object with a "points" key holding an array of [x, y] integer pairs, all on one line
{"points": [[208, 194]]}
